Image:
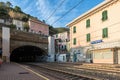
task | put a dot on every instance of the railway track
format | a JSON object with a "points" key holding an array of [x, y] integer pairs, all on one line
{"points": [[59, 74], [102, 74]]}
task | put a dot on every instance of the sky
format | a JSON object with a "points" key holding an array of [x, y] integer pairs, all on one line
{"points": [[63, 9]]}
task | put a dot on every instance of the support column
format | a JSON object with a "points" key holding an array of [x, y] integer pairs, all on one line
{"points": [[115, 55], [6, 44], [51, 49]]}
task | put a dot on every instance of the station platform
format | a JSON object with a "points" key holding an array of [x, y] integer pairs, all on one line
{"points": [[13, 71]]}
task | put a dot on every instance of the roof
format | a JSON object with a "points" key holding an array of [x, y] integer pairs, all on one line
{"points": [[87, 14]]}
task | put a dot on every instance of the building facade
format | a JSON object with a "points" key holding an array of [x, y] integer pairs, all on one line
{"points": [[61, 46], [39, 27], [19, 24], [95, 34]]}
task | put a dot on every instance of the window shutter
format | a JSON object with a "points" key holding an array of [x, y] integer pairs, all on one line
{"points": [[74, 41], [105, 32], [88, 23], [88, 37], [104, 15], [74, 29]]}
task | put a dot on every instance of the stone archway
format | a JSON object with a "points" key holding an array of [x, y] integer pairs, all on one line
{"points": [[28, 54]]}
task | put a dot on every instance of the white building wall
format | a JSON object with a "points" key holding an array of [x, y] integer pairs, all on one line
{"points": [[2, 21], [62, 58], [19, 24]]}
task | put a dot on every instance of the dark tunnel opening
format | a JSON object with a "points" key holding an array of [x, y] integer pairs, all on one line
{"points": [[28, 54]]}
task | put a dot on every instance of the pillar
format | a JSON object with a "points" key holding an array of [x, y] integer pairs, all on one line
{"points": [[115, 55], [6, 44], [51, 49]]}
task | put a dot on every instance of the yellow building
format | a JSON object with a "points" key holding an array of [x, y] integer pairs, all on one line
{"points": [[95, 34]]}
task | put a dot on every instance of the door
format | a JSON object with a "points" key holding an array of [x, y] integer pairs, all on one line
{"points": [[118, 56]]}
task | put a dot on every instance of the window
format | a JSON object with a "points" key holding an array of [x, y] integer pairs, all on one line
{"points": [[105, 33], [104, 15], [88, 37], [40, 32], [62, 47], [65, 47], [74, 29], [87, 23], [74, 41], [56, 35], [19, 28]]}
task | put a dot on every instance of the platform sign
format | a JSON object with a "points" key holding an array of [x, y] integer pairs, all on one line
{"points": [[96, 42]]}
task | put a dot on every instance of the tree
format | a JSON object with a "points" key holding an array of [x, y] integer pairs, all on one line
{"points": [[2, 4], [50, 27], [28, 15], [25, 18], [26, 27], [8, 4], [17, 9], [3, 13], [13, 26]]}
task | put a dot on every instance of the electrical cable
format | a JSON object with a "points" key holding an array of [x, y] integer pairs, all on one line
{"points": [[67, 12], [55, 10]]}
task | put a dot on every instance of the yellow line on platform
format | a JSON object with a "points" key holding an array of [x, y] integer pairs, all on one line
{"points": [[34, 72]]}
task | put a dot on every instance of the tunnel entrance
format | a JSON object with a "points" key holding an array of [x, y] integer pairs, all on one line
{"points": [[28, 54]]}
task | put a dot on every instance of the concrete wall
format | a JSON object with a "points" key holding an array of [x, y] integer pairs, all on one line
{"points": [[51, 49], [5, 44], [103, 56], [17, 43], [19, 39], [62, 58]]}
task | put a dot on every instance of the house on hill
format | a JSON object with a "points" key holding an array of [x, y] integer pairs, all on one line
{"points": [[39, 27]]}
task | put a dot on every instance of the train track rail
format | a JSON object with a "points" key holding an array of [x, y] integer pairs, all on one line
{"points": [[102, 74], [58, 73]]}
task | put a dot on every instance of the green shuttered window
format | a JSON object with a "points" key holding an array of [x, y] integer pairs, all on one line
{"points": [[104, 15], [87, 23], [74, 29], [74, 41], [88, 37], [105, 33]]}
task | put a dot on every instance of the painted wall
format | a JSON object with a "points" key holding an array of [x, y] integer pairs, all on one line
{"points": [[103, 56], [38, 27], [62, 39], [19, 24], [96, 26], [62, 58]]}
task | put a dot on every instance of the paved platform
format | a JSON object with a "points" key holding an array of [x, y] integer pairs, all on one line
{"points": [[12, 71]]}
